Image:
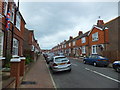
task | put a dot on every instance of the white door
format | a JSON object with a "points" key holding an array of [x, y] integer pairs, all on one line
{"points": [[94, 49]]}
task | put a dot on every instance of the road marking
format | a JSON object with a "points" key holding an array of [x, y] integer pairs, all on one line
{"points": [[51, 78], [74, 64], [103, 75]]}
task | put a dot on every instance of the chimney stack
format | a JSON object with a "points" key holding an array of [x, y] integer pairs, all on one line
{"points": [[64, 40], [70, 38], [100, 22], [80, 33]]}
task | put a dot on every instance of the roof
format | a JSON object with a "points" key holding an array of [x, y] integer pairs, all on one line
{"points": [[98, 27], [58, 56], [83, 35], [112, 20]]}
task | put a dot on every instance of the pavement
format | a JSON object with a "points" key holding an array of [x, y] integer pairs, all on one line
{"points": [[38, 76]]}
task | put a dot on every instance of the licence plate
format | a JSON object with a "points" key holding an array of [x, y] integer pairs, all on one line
{"points": [[61, 63], [103, 60]]}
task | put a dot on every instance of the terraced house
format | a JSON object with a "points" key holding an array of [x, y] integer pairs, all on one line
{"points": [[12, 31], [12, 37], [31, 47], [102, 39]]}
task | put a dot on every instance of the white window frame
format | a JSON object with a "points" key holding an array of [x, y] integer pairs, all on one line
{"points": [[65, 46], [15, 46], [18, 20], [83, 50], [94, 49], [32, 48], [69, 44], [74, 43], [83, 40], [95, 36], [12, 14], [1, 43], [5, 6], [69, 50]]}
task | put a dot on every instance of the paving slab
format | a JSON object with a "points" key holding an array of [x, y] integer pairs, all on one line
{"points": [[38, 76]]}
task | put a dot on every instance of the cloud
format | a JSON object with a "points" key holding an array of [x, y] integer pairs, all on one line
{"points": [[54, 22]]}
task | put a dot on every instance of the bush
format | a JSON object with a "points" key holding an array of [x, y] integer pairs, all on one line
{"points": [[7, 65], [28, 60]]}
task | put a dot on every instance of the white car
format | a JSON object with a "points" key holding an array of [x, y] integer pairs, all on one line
{"points": [[60, 63]]}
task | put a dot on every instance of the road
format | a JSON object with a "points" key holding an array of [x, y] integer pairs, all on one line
{"points": [[86, 76]]}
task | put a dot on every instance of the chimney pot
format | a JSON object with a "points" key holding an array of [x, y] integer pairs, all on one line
{"points": [[70, 38], [100, 22], [80, 33]]}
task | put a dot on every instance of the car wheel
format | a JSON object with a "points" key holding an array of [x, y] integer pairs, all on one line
{"points": [[117, 69], [84, 62], [95, 64], [69, 70], [105, 65]]}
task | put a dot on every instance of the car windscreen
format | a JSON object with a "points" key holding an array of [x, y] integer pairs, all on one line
{"points": [[61, 59], [101, 57]]}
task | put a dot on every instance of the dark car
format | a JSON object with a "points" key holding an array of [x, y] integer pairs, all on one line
{"points": [[96, 60], [116, 66], [45, 55], [50, 56]]}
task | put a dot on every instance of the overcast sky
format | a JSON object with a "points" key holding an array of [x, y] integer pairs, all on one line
{"points": [[54, 22]]}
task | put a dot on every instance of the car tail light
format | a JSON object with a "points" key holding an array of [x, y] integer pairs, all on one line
{"points": [[54, 64], [99, 60], [68, 62]]}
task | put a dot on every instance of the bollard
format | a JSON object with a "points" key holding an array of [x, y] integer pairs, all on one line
{"points": [[15, 70], [22, 66]]}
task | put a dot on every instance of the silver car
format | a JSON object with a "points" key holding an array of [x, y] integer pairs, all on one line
{"points": [[60, 63]]}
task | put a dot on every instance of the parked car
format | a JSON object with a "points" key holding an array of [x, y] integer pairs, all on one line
{"points": [[50, 56], [116, 66], [45, 55], [60, 63], [96, 60], [60, 54]]}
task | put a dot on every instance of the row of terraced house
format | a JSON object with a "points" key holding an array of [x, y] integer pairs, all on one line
{"points": [[102, 39], [16, 40]]}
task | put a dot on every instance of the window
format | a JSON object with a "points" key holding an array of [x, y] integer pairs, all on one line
{"points": [[83, 40], [12, 14], [95, 36], [73, 43], [5, 7], [65, 46], [15, 46], [83, 50], [69, 50], [94, 49], [74, 50], [33, 48], [69, 44], [1, 43], [18, 20]]}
